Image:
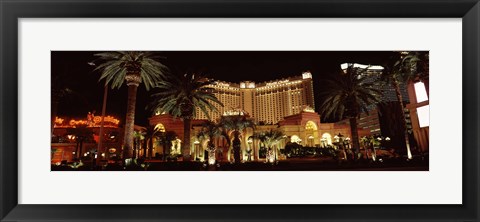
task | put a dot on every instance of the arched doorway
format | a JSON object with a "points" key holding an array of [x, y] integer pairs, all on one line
{"points": [[311, 133]]}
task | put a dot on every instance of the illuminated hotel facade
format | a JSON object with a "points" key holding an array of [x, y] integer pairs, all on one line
{"points": [[285, 105], [266, 102]]}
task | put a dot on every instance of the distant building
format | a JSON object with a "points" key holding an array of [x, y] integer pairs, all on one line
{"points": [[377, 114]]}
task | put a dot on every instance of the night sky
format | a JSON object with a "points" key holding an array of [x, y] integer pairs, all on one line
{"points": [[233, 66]]}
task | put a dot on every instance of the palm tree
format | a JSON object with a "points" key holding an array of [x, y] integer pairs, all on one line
{"points": [[82, 133], [165, 139], [132, 67], [370, 142], [210, 131], [60, 92], [409, 67], [180, 95], [227, 141], [236, 123], [138, 137], [348, 95], [366, 145], [269, 140], [150, 133]]}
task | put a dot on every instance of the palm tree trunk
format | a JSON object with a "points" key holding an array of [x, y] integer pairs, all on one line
{"points": [[80, 147], [54, 115], [187, 125], [135, 143], [145, 148], [402, 113], [100, 134], [164, 150], [236, 148], [129, 122], [76, 150], [150, 147], [354, 131]]}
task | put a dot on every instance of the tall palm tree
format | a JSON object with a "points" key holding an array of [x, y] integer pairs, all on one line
{"points": [[269, 140], [180, 95], [236, 124], [132, 68], [348, 95], [408, 67]]}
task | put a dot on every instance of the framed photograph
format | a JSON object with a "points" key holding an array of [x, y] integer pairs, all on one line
{"points": [[226, 110]]}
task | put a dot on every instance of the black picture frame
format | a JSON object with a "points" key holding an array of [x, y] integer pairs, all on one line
{"points": [[11, 11]]}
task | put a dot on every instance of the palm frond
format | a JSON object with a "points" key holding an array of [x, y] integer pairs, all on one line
{"points": [[113, 67], [180, 95]]}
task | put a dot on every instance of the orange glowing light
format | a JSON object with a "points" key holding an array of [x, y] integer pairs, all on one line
{"points": [[110, 119], [58, 120], [77, 122]]}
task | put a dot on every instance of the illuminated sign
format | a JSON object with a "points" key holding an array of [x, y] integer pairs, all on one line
{"points": [[223, 84], [58, 120], [249, 85], [276, 82], [361, 66], [94, 121], [107, 119], [77, 122], [306, 75]]}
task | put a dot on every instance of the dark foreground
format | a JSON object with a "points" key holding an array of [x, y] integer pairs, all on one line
{"points": [[304, 164]]}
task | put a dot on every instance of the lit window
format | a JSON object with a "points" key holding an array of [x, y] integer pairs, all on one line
{"points": [[424, 115], [420, 92]]}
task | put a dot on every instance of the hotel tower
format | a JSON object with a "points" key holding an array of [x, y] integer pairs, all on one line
{"points": [[265, 102]]}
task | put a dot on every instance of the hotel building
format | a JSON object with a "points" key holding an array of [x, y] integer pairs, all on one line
{"points": [[266, 102]]}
